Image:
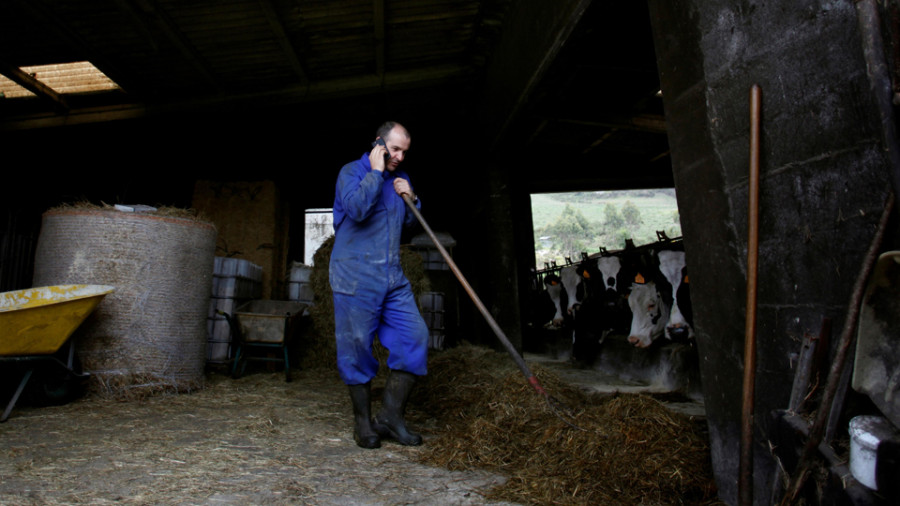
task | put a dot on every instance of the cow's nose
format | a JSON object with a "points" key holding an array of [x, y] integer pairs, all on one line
{"points": [[611, 282], [677, 332]]}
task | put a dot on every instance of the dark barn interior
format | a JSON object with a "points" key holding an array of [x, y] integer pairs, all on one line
{"points": [[502, 99]]}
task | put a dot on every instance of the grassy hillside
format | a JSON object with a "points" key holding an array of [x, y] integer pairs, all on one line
{"points": [[587, 224]]}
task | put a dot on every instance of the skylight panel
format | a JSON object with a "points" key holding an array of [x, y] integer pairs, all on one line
{"points": [[63, 78]]}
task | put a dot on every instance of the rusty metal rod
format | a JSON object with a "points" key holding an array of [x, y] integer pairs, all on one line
{"points": [[484, 312], [745, 482], [804, 464]]}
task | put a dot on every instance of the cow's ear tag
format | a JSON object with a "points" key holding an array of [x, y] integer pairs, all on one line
{"points": [[554, 283], [585, 275], [686, 278], [639, 279]]}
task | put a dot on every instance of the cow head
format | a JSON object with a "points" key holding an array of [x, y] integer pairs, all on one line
{"points": [[553, 284], [609, 268], [673, 268], [571, 281], [649, 313]]}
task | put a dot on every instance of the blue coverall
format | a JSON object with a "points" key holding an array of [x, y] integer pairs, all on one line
{"points": [[371, 293]]}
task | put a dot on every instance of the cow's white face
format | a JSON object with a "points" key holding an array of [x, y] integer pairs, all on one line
{"points": [[553, 290], [649, 314], [609, 268], [570, 280], [672, 264]]}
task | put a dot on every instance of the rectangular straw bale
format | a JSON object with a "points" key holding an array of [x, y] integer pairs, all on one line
{"points": [[252, 220]]}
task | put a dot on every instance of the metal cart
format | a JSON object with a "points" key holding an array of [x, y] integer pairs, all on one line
{"points": [[266, 325], [35, 323]]}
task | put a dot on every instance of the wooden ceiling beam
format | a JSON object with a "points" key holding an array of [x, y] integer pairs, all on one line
{"points": [[378, 21], [31, 84], [137, 21], [653, 123], [533, 35], [81, 48], [161, 20], [281, 36], [323, 90]]}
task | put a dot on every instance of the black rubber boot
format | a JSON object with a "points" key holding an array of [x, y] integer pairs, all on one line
{"points": [[363, 433], [389, 421]]}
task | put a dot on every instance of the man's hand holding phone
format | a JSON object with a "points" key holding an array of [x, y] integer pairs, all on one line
{"points": [[379, 157]]}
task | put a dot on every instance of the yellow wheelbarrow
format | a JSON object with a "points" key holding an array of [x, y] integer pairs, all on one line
{"points": [[35, 323]]}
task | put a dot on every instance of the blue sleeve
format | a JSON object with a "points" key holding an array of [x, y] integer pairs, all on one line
{"points": [[359, 192]]}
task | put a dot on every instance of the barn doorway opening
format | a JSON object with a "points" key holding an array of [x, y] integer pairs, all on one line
{"points": [[318, 228], [611, 294], [569, 224]]}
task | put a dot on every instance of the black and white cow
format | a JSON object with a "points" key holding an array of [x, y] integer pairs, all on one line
{"points": [[663, 297], [643, 291], [604, 307], [553, 286], [673, 268], [572, 284], [542, 310], [565, 291], [650, 313]]}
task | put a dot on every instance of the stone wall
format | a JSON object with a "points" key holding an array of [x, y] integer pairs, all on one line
{"points": [[825, 179]]}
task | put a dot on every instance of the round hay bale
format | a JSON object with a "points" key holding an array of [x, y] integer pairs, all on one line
{"points": [[150, 334]]}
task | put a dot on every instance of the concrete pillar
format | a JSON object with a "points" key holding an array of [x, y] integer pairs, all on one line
{"points": [[501, 260], [825, 179]]}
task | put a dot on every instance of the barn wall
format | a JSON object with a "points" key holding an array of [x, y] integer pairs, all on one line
{"points": [[252, 222], [825, 178], [495, 282]]}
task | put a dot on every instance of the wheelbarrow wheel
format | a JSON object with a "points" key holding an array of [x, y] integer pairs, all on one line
{"points": [[52, 385]]}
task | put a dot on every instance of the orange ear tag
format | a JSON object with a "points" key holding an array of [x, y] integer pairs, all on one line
{"points": [[554, 283], [585, 275], [639, 279], [686, 278]]}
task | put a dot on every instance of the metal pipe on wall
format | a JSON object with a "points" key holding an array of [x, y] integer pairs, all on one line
{"points": [[745, 478]]}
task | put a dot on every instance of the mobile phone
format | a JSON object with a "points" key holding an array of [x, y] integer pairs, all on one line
{"points": [[387, 155]]}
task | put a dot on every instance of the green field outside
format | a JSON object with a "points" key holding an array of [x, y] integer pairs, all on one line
{"points": [[565, 224]]}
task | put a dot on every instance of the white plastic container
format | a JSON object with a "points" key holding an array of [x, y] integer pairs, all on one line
{"points": [[300, 272], [301, 291], [866, 433]]}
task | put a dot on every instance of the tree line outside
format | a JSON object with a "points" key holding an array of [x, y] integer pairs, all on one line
{"points": [[567, 224]]}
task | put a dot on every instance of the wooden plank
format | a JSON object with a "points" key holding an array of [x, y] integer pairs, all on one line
{"points": [[281, 36], [320, 90], [379, 36], [31, 84], [533, 34]]}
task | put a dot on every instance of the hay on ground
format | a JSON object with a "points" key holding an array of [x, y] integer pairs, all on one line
{"points": [[627, 449]]}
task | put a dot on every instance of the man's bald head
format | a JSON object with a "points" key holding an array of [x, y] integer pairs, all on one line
{"points": [[385, 130]]}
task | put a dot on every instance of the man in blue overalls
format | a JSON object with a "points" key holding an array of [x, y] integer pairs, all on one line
{"points": [[371, 294]]}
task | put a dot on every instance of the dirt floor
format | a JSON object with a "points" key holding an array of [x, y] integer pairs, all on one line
{"points": [[226, 444], [254, 440]]}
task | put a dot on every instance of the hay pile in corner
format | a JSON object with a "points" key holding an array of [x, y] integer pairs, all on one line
{"points": [[632, 449], [318, 349]]}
